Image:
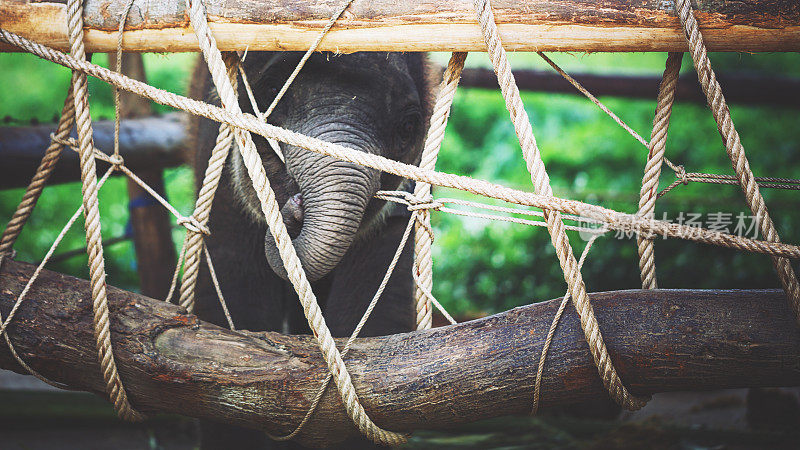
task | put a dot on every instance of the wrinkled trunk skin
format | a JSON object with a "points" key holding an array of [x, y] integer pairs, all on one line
{"points": [[334, 196], [345, 239]]}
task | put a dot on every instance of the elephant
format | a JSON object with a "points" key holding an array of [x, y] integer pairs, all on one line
{"points": [[377, 103]]}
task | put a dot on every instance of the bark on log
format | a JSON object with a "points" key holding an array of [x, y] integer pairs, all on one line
{"points": [[424, 25], [145, 143], [739, 88], [661, 340]]}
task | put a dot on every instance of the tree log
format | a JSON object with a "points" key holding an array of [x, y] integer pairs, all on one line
{"points": [[146, 143], [424, 25], [661, 340]]}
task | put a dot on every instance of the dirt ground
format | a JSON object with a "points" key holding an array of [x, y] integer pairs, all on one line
{"points": [[33, 417]]}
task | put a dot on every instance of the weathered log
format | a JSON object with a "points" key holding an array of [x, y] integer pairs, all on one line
{"points": [[149, 142], [739, 88], [424, 25], [661, 340]]}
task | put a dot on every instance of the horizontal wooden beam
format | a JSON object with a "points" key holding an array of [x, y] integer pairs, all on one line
{"points": [[145, 143], [422, 25], [762, 89], [659, 340]]}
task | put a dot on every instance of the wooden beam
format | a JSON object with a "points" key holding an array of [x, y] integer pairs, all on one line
{"points": [[659, 340], [739, 88], [148, 142], [424, 25]]}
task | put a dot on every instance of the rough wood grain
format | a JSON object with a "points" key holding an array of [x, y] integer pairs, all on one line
{"points": [[149, 142], [660, 340], [423, 25]]}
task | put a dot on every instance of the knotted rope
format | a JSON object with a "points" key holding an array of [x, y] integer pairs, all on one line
{"points": [[237, 126], [615, 220], [291, 261], [423, 237], [97, 274], [652, 170], [735, 150], [558, 236]]}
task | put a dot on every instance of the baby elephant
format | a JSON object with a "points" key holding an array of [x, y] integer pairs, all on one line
{"points": [[372, 102]]}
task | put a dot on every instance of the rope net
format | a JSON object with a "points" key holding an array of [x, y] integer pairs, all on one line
{"points": [[238, 127]]}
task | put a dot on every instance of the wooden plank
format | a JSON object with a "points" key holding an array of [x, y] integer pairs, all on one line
{"points": [[148, 142], [424, 25], [659, 340]]}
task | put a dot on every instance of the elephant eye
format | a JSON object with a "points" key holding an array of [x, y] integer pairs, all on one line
{"points": [[408, 130]]}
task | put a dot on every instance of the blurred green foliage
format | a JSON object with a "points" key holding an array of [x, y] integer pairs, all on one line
{"points": [[482, 266]]}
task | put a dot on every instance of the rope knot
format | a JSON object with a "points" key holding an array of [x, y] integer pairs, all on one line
{"points": [[426, 202], [680, 172], [413, 202], [115, 160], [192, 224]]}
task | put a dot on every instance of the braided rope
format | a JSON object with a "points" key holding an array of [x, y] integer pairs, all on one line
{"points": [[555, 225], [205, 198], [652, 171], [35, 187], [269, 205], [790, 184], [381, 287], [423, 236], [735, 150], [613, 219], [97, 276], [537, 386]]}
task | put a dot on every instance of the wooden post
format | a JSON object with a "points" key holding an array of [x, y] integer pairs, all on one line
{"points": [[152, 234]]}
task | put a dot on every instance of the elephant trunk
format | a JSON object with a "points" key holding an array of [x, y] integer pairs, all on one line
{"points": [[334, 195]]}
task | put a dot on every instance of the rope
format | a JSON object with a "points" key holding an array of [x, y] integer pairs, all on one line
{"points": [[271, 210], [652, 171], [35, 187], [735, 150], [238, 125], [97, 276], [613, 219], [423, 237], [602, 107], [558, 237], [205, 198], [537, 387], [700, 177], [356, 332]]}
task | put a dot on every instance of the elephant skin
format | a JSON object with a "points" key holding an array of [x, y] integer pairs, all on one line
{"points": [[373, 102]]}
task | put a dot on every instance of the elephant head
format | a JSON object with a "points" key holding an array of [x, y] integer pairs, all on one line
{"points": [[371, 102]]}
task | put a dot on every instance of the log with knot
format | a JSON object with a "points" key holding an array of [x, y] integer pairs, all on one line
{"points": [[660, 340]]}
